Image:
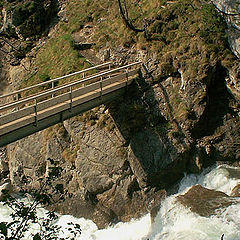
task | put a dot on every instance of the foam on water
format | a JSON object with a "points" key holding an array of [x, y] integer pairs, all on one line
{"points": [[136, 229], [176, 222], [173, 221], [217, 178], [34, 228]]}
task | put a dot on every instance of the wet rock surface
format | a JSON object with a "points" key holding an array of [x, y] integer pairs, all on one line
{"points": [[236, 191], [205, 202]]}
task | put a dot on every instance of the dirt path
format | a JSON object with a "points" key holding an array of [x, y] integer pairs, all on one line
{"points": [[80, 37]]}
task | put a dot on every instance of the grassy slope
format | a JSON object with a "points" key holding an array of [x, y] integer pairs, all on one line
{"points": [[186, 33], [182, 34]]}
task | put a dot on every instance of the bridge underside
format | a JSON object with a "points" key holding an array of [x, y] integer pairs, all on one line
{"points": [[58, 118]]}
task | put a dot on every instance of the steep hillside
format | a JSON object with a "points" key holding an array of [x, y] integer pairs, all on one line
{"points": [[180, 116]]}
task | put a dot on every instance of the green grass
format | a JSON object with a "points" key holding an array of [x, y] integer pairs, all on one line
{"points": [[55, 59]]}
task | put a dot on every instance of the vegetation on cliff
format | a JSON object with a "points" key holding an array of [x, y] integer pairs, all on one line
{"points": [[184, 38], [29, 18], [190, 36]]}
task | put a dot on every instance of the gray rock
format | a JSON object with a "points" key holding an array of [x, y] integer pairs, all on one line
{"points": [[99, 158], [25, 158], [148, 155]]}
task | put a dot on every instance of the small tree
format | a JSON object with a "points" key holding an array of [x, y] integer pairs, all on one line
{"points": [[127, 20], [24, 213]]}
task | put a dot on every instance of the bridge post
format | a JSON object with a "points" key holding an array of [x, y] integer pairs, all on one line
{"points": [[52, 88], [70, 95], [17, 98], [109, 68], [36, 114], [101, 88]]}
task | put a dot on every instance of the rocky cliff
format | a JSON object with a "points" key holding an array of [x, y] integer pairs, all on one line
{"points": [[181, 114], [230, 10]]}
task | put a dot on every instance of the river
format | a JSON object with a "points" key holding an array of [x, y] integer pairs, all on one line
{"points": [[173, 221]]}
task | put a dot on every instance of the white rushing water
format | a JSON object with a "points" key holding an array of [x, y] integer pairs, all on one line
{"points": [[173, 221]]}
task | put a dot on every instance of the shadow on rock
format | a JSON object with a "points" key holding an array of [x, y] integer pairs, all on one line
{"points": [[157, 158]]}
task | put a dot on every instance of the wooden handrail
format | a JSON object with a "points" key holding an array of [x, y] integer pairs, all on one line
{"points": [[66, 86]]}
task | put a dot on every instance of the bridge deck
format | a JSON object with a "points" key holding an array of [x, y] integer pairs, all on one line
{"points": [[39, 111]]}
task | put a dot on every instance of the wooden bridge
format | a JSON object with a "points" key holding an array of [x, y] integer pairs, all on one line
{"points": [[37, 107]]}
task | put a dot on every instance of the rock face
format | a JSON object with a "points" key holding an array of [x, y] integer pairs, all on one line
{"points": [[4, 170], [118, 160], [205, 202], [231, 9], [96, 172]]}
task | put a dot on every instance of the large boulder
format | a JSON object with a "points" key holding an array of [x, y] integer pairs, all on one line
{"points": [[205, 202]]}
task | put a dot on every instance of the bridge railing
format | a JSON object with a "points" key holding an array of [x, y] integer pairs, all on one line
{"points": [[64, 97], [53, 82]]}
